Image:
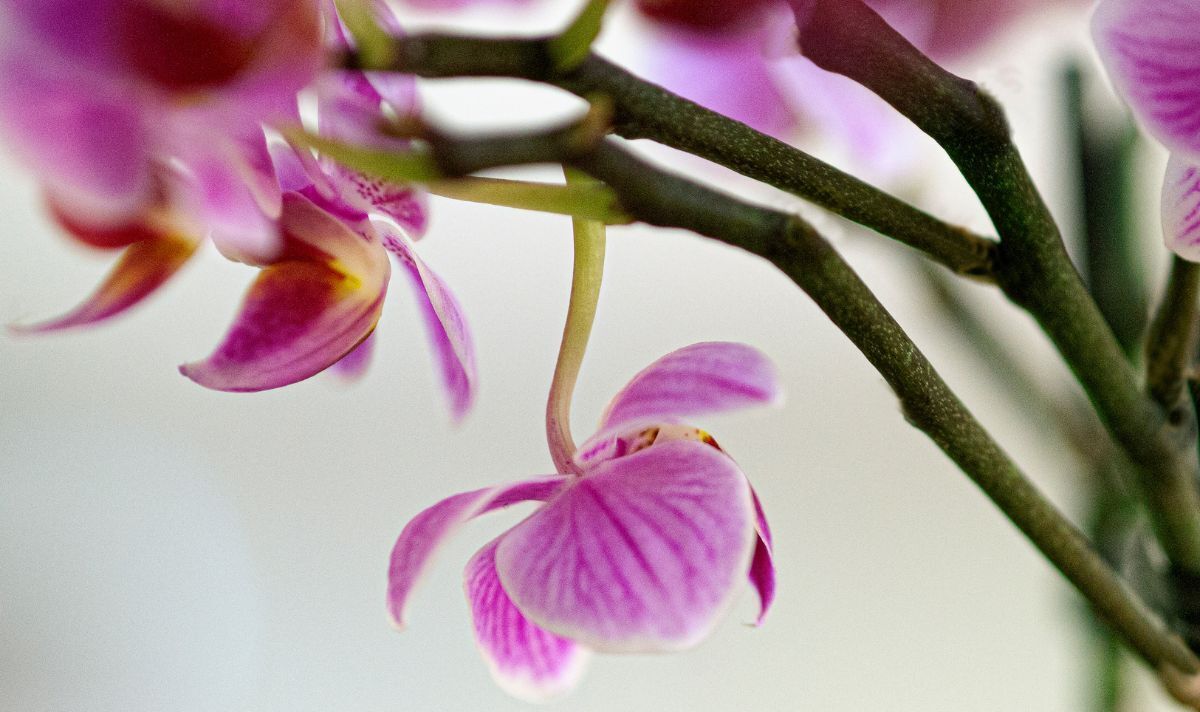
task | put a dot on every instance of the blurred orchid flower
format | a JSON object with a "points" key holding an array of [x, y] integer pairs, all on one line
{"points": [[142, 119], [739, 59], [1151, 51], [101, 98], [323, 233], [643, 550]]}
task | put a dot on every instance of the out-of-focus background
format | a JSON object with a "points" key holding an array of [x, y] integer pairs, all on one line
{"points": [[165, 547]]}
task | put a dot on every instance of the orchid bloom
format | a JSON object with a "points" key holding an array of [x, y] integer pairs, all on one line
{"points": [[102, 97], [323, 296], [325, 274], [320, 300], [142, 120], [642, 550], [1152, 53]]}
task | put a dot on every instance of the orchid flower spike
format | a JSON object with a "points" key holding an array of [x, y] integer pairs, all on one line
{"points": [[642, 551], [1152, 52]]}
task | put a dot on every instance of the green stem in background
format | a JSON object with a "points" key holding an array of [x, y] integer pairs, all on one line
{"points": [[1107, 246], [1020, 384], [586, 277], [1108, 242]]}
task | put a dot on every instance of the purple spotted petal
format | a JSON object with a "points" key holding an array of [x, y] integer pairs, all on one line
{"points": [[643, 553], [453, 349], [401, 202], [304, 312], [526, 661], [709, 377], [762, 566], [1152, 52], [143, 267], [425, 533], [1181, 208]]}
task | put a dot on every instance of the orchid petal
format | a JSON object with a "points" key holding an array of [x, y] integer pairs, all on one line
{"points": [[446, 326], [349, 108], [762, 566], [700, 379], [1153, 56], [526, 661], [1181, 208], [259, 172], [727, 72], [425, 533], [225, 201], [291, 170], [353, 365], [401, 202], [641, 554], [143, 267], [304, 312]]}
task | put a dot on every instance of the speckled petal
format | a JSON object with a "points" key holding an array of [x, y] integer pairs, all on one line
{"points": [[644, 553], [526, 661], [449, 336], [1181, 208], [304, 312], [426, 532], [143, 267], [1152, 52], [403, 203]]}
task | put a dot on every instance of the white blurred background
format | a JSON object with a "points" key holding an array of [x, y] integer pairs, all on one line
{"points": [[164, 547]]}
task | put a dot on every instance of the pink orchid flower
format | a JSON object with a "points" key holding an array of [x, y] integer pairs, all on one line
{"points": [[103, 99], [142, 119], [323, 281], [1152, 54], [642, 550], [319, 301]]}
